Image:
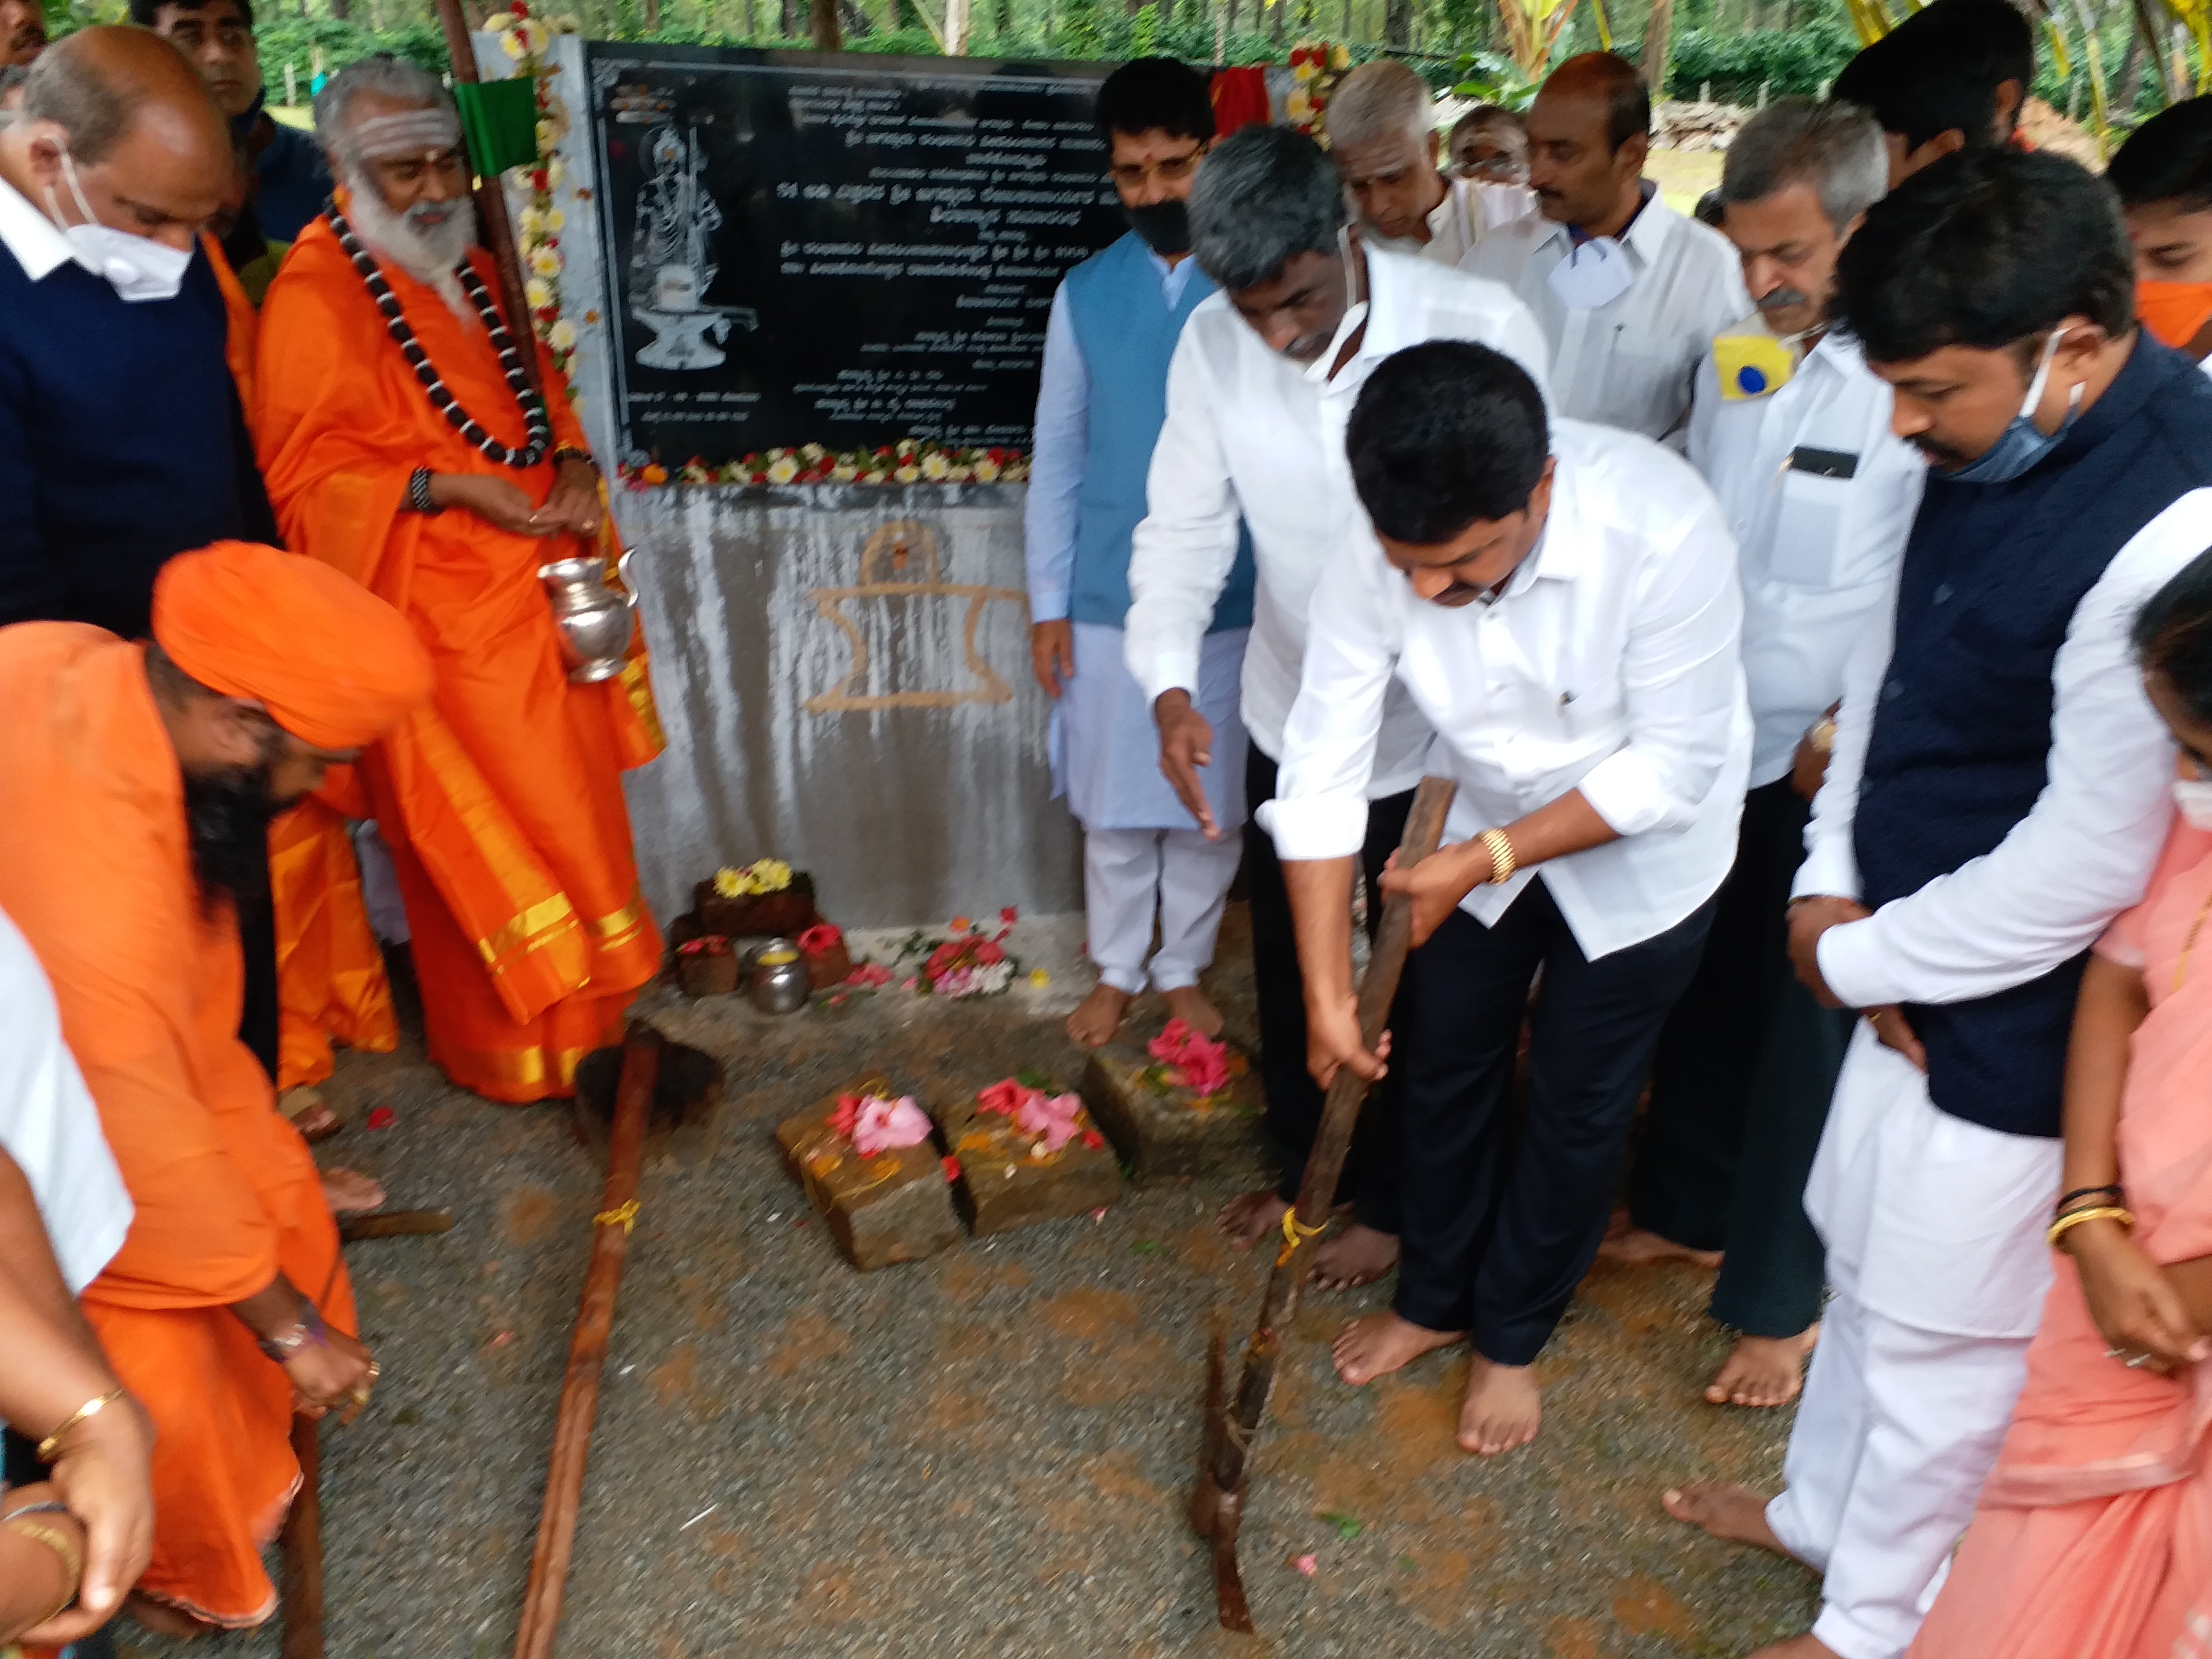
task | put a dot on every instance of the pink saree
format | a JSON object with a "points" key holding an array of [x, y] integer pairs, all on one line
{"points": [[2093, 1539]]}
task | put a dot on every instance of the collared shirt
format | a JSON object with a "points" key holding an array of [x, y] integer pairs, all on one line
{"points": [[1628, 363], [1608, 664], [1471, 209], [1058, 445], [1818, 550], [32, 237], [2081, 854], [48, 1124], [1248, 433]]}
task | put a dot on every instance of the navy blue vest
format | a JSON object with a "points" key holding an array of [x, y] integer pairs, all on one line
{"points": [[1961, 741], [1128, 336]]}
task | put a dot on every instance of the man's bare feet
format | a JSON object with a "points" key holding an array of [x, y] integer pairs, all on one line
{"points": [[1808, 1646], [1736, 1514], [1383, 1343], [1189, 1004], [1098, 1016], [1763, 1371], [1637, 1249], [348, 1192], [1501, 1409], [1358, 1256], [1250, 1216], [162, 1619]]}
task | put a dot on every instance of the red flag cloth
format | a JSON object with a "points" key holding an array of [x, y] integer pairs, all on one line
{"points": [[1240, 100]]}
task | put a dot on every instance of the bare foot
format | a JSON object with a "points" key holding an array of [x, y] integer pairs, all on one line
{"points": [[1383, 1343], [1763, 1371], [1808, 1646], [1501, 1408], [348, 1192], [1636, 1247], [1098, 1016], [308, 1113], [1250, 1216], [1358, 1256], [1189, 1003], [1736, 1514], [162, 1619]]}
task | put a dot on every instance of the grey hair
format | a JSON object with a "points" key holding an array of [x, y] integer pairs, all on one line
{"points": [[93, 109], [1264, 195], [1835, 148], [1380, 100], [387, 77]]}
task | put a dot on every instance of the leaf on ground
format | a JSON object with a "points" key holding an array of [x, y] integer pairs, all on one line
{"points": [[1346, 1527], [1148, 1247]]}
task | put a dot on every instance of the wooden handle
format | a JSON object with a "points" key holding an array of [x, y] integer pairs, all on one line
{"points": [[302, 1548], [587, 1351], [1394, 939], [395, 1224]]}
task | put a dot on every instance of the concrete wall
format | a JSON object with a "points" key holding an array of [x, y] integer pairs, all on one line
{"points": [[844, 676]]}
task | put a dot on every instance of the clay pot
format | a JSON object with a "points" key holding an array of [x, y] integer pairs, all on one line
{"points": [[789, 913], [831, 967], [707, 973]]}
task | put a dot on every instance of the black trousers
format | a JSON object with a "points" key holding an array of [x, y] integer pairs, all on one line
{"points": [[1740, 1092], [1294, 1099], [1502, 1221]]}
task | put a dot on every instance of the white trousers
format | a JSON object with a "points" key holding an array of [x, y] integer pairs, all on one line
{"points": [[1934, 1228], [1131, 876]]}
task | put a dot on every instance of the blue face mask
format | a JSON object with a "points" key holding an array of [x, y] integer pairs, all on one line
{"points": [[2022, 444]]}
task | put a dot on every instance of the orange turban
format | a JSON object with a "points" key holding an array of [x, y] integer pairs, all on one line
{"points": [[334, 665]]}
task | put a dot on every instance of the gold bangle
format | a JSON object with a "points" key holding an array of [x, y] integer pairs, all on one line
{"points": [[59, 1544], [1822, 736], [2074, 1219], [1502, 860], [91, 1408]]}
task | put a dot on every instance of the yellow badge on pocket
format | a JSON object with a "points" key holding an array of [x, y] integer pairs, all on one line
{"points": [[1752, 365]]}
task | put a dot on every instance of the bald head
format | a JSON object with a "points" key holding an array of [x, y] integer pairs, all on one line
{"points": [[118, 127], [1589, 132]]}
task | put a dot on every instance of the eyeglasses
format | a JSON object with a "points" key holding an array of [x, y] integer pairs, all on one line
{"points": [[1171, 169]]}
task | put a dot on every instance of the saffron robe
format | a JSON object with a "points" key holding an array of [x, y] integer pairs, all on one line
{"points": [[95, 868], [501, 802]]}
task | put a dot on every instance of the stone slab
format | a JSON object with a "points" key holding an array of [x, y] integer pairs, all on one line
{"points": [[1005, 1183], [895, 1206], [1173, 1132]]}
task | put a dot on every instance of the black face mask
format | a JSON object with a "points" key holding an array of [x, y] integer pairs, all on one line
{"points": [[227, 813], [1165, 227]]}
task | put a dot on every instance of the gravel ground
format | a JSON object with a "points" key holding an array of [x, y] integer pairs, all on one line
{"points": [[985, 1453]]}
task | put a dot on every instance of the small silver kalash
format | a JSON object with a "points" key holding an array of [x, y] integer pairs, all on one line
{"points": [[595, 623]]}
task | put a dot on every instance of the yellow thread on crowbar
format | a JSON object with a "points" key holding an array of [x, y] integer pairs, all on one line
{"points": [[623, 1215]]}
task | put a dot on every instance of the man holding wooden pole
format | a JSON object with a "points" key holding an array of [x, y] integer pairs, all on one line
{"points": [[1561, 605]]}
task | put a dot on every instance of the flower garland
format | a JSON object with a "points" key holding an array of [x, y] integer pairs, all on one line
{"points": [[910, 461], [537, 227], [1316, 67]]}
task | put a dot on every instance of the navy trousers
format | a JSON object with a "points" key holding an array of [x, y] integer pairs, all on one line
{"points": [[1502, 1219]]}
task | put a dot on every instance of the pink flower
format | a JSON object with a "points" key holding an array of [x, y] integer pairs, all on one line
{"points": [[869, 975], [1194, 1060], [1052, 1116], [1307, 1565], [885, 1124], [1005, 1098]]}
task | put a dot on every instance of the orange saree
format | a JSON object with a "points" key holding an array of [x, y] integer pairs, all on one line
{"points": [[95, 867], [501, 802], [2093, 1539]]}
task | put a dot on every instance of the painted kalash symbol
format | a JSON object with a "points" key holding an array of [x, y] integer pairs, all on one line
{"points": [[906, 624]]}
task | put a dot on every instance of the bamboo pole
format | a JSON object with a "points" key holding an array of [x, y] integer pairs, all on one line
{"points": [[587, 1351], [1218, 1506], [302, 1547], [491, 210]]}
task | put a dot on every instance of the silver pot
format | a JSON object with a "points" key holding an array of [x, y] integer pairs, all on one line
{"points": [[594, 622], [776, 978]]}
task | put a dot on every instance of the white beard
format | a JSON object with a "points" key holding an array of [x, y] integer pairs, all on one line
{"points": [[427, 254]]}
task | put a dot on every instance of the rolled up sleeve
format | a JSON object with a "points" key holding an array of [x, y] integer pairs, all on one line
{"points": [[1682, 681], [1320, 809], [1181, 554]]}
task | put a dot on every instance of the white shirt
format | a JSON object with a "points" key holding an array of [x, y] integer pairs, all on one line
{"points": [[1247, 434], [49, 1125], [1471, 208], [1608, 665], [1059, 445], [2084, 853], [1817, 551], [27, 234], [1629, 362]]}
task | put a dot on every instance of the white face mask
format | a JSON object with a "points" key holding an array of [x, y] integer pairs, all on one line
{"points": [[1354, 315], [137, 268], [2193, 796], [1594, 273]]}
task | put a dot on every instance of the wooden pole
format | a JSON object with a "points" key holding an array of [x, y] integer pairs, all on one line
{"points": [[1217, 1508], [587, 1351], [497, 230], [301, 1546]]}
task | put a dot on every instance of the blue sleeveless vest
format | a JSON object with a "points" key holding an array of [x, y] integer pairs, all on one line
{"points": [[1961, 742], [1128, 335]]}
